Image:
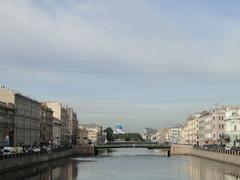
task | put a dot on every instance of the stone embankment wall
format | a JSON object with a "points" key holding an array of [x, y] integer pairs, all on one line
{"points": [[179, 149], [84, 150], [230, 157], [29, 160]]}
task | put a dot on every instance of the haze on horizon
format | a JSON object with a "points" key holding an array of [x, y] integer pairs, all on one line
{"points": [[139, 62]]}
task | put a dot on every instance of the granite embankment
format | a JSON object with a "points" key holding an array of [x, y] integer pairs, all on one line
{"points": [[14, 163], [225, 156]]}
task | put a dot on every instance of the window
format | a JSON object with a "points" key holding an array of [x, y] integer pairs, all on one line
{"points": [[235, 127], [219, 126], [222, 126], [219, 117], [222, 117], [213, 117], [214, 135]]}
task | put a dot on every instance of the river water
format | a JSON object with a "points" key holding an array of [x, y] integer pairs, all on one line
{"points": [[129, 164]]}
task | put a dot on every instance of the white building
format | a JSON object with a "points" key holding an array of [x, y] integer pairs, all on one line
{"points": [[232, 126], [174, 135], [94, 132]]}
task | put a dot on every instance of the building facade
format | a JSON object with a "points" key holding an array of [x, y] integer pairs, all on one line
{"points": [[95, 132], [72, 125], [149, 134], [218, 123], [27, 117], [232, 126], [57, 131], [82, 137], [7, 123], [174, 135], [162, 135], [46, 124], [60, 111]]}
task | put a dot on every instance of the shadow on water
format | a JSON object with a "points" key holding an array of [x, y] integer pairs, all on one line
{"points": [[59, 169]]}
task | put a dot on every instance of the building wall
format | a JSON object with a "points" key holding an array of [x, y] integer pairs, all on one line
{"points": [[7, 115], [95, 132], [174, 135], [218, 122], [56, 108], [232, 126], [7, 95], [82, 135], [46, 124], [72, 125], [60, 112], [57, 128], [74, 128], [27, 121]]}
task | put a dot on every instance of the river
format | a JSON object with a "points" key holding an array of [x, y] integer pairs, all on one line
{"points": [[129, 164]]}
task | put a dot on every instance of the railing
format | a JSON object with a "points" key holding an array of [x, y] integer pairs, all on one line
{"points": [[133, 145], [221, 151]]}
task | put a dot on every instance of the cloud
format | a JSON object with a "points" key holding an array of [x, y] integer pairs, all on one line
{"points": [[134, 32], [138, 51]]}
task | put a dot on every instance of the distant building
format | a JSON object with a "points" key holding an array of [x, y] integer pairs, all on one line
{"points": [[95, 133], [162, 135], [74, 128], [60, 112], [174, 135], [82, 135], [149, 134], [119, 129], [72, 125]]}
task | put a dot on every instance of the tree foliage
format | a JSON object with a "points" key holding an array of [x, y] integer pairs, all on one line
{"points": [[109, 132], [129, 137]]}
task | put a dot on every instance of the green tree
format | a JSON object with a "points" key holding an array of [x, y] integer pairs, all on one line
{"points": [[129, 137], [109, 132]]}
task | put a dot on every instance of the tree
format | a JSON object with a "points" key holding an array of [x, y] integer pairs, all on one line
{"points": [[129, 137], [109, 132]]}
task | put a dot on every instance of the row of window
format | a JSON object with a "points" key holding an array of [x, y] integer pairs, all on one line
{"points": [[220, 135], [219, 126], [219, 118]]}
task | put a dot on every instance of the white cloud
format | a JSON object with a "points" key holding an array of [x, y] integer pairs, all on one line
{"points": [[45, 42]]}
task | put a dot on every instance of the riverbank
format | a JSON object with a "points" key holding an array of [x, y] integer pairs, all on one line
{"points": [[224, 156], [31, 160]]}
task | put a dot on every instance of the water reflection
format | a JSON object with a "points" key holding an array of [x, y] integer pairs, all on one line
{"points": [[203, 169], [65, 169], [131, 164]]}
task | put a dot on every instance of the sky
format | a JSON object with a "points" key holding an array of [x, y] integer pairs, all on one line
{"points": [[143, 63]]}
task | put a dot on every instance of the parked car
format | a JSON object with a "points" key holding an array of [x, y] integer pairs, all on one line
{"points": [[6, 151], [46, 149], [234, 148], [227, 148], [209, 146], [221, 146]]}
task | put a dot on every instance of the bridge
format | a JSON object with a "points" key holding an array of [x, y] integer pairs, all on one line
{"points": [[132, 145]]}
